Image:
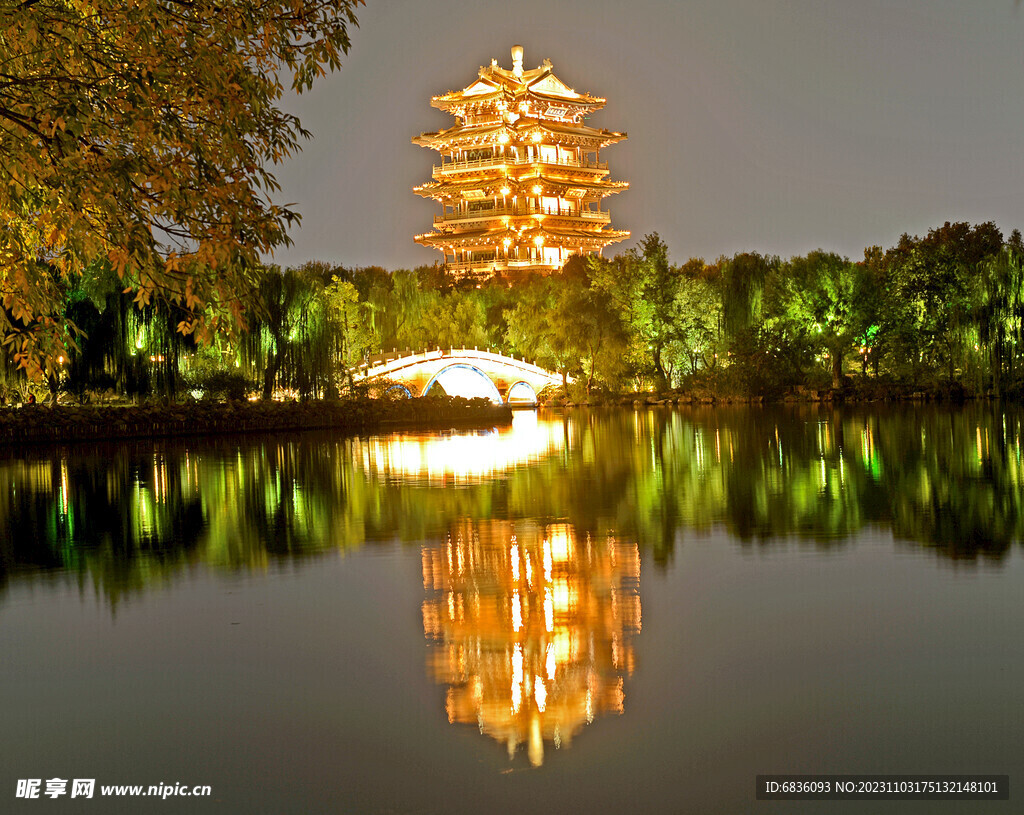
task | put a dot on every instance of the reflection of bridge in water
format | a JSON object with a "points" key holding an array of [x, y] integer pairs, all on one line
{"points": [[531, 628], [461, 458], [461, 372]]}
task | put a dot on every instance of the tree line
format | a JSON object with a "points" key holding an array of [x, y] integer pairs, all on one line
{"points": [[943, 311], [137, 143]]}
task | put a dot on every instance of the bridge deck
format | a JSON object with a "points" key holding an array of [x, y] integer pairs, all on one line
{"points": [[390, 363]]}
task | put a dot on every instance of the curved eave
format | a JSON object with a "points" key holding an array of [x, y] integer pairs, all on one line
{"points": [[492, 186], [522, 129], [440, 190], [446, 101], [492, 237], [601, 187], [585, 102], [460, 134], [556, 232], [599, 136], [470, 237]]}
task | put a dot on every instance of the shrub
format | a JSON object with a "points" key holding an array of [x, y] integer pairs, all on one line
{"points": [[220, 383]]}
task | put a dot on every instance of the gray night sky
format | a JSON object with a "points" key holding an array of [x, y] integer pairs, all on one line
{"points": [[776, 126]]}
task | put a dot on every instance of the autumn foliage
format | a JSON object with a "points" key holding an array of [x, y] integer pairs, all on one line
{"points": [[140, 135]]}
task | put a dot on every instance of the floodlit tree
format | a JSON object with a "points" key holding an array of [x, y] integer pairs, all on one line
{"points": [[698, 316], [929, 282], [142, 133], [566, 323], [997, 301], [821, 294], [625, 281]]}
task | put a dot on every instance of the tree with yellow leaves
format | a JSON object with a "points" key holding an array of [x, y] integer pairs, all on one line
{"points": [[139, 134]]}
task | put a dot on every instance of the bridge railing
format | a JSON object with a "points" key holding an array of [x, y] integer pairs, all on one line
{"points": [[380, 363]]}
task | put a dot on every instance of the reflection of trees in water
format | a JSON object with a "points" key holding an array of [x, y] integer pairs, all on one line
{"points": [[955, 481], [126, 516], [944, 478], [531, 628], [121, 521], [129, 516]]}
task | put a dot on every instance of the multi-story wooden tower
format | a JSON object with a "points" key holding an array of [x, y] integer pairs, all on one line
{"points": [[520, 181]]}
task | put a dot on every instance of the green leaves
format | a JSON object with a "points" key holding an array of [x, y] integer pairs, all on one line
{"points": [[141, 133]]}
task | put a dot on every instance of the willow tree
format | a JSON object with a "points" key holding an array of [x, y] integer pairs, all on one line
{"points": [[143, 134], [130, 349], [997, 301], [307, 331]]}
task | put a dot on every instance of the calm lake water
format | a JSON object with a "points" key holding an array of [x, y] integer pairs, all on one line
{"points": [[595, 611]]}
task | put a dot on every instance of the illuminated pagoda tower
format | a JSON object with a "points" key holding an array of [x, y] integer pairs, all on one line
{"points": [[520, 181]]}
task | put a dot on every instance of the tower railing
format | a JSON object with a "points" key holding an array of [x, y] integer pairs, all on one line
{"points": [[499, 212], [502, 161], [499, 264]]}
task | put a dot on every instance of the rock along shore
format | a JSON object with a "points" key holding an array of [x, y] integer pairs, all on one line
{"points": [[39, 424]]}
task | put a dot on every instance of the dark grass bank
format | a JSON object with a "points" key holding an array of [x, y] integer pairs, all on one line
{"points": [[40, 424]]}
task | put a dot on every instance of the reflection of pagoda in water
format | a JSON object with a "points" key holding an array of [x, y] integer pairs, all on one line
{"points": [[531, 627]]}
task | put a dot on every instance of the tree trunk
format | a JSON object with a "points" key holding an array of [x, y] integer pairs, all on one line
{"points": [[659, 371], [270, 374], [997, 366], [837, 368]]}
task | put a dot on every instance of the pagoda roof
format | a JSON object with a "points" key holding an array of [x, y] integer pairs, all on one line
{"points": [[468, 133], [433, 189], [581, 132], [482, 237], [494, 82], [440, 189], [608, 235], [522, 127], [468, 237], [606, 187]]}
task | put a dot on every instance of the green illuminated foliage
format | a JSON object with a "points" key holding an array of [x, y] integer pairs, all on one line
{"points": [[928, 285], [819, 295]]}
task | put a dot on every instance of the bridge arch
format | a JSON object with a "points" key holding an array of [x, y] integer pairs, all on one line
{"points": [[521, 393], [419, 371], [474, 383], [398, 389]]}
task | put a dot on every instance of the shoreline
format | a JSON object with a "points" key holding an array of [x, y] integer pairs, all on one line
{"points": [[43, 424], [857, 394], [39, 424]]}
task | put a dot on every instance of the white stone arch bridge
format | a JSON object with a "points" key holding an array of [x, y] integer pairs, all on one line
{"points": [[460, 372]]}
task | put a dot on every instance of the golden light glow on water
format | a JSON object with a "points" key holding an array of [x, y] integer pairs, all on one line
{"points": [[530, 655], [465, 458]]}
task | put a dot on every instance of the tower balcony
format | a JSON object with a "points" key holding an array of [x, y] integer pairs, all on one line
{"points": [[471, 267], [590, 216], [468, 165]]}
